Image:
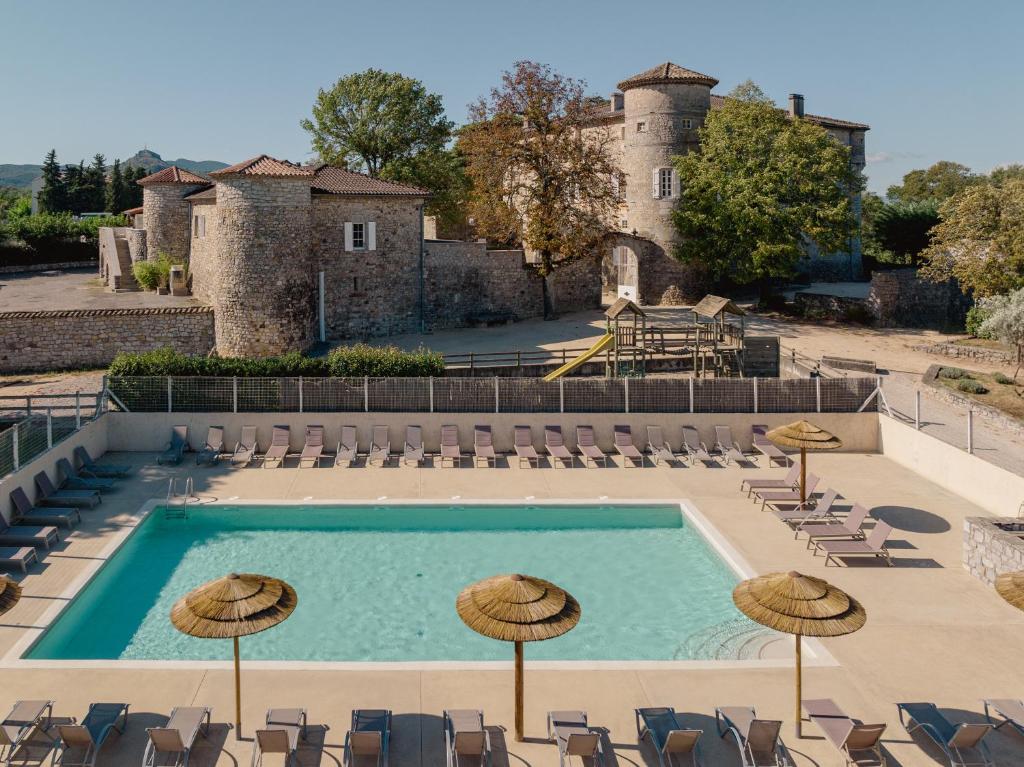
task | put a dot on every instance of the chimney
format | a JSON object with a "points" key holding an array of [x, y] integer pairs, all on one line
{"points": [[618, 102], [796, 105]]}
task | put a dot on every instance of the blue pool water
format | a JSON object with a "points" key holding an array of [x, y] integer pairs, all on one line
{"points": [[378, 583]]}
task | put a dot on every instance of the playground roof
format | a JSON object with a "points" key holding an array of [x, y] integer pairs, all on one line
{"points": [[712, 306], [621, 305]]}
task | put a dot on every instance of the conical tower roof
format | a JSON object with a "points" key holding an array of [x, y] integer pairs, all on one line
{"points": [[668, 73]]}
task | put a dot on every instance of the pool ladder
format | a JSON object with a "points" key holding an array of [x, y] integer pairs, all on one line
{"points": [[176, 506]]}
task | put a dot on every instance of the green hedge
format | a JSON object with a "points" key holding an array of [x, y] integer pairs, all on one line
{"points": [[343, 362], [52, 238], [972, 387]]}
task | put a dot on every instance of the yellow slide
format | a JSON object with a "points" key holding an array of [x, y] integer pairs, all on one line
{"points": [[602, 343]]}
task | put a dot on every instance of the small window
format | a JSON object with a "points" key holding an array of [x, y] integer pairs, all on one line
{"points": [[195, 226], [641, 127], [687, 123], [665, 182], [624, 224], [355, 285], [358, 236]]}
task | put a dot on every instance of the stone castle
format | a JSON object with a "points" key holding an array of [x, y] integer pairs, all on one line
{"points": [[289, 255]]}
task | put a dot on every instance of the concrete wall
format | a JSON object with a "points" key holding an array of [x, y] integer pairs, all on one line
{"points": [[90, 338]]}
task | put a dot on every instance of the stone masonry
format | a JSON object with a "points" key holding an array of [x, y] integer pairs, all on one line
{"points": [[167, 219], [993, 546], [899, 298]]}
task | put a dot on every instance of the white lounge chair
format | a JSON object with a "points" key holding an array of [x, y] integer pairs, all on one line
{"points": [[624, 445], [586, 443], [280, 444], [284, 727], [758, 740], [213, 446], [554, 444], [412, 453], [483, 446], [466, 742], [729, 448], [380, 447], [312, 448], [245, 448], [525, 451], [348, 447], [176, 738], [695, 449], [659, 449], [767, 448], [450, 450], [574, 736]]}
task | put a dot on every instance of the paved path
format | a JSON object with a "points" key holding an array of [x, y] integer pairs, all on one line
{"points": [[61, 290]]}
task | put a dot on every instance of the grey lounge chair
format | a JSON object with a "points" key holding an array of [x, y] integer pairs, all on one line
{"points": [[368, 739], [450, 450], [569, 729], [791, 480], [24, 510], [729, 448], [466, 742], [73, 480], [767, 448], [313, 447], [774, 498], [28, 535], [852, 527], [963, 743], [380, 447], [659, 449], [177, 737], [49, 495], [92, 469], [628, 451], [554, 444], [17, 556], [1012, 712], [280, 444], [695, 449], [811, 512], [412, 453], [758, 740], [176, 447], [284, 727], [859, 743], [669, 738], [213, 447], [873, 545], [22, 721], [483, 446], [525, 451], [586, 443], [80, 744], [348, 447], [245, 448]]}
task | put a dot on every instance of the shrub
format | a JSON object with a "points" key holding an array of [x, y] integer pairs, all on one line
{"points": [[971, 387], [1002, 378], [953, 374], [156, 273], [976, 315], [384, 362]]}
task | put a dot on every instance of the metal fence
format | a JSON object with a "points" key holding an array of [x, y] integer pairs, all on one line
{"points": [[32, 425], [492, 395]]}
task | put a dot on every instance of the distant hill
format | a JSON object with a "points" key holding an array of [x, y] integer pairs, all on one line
{"points": [[21, 176]]}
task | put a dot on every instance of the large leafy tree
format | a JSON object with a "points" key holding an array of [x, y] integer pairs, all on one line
{"points": [[541, 177], [1006, 322], [897, 233], [761, 187], [937, 183]]}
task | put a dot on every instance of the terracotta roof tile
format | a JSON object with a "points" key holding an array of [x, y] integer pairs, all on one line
{"points": [[132, 211], [264, 165], [667, 73], [173, 175], [334, 180]]}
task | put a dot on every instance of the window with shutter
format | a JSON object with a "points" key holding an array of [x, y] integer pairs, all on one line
{"points": [[358, 236], [657, 183], [665, 182], [675, 183], [371, 235], [348, 236]]}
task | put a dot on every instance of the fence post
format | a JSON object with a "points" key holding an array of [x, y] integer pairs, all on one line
{"points": [[691, 390], [170, 408], [14, 446], [497, 408], [917, 410], [366, 394], [561, 395], [431, 389], [625, 383], [817, 394], [78, 410], [970, 431], [755, 394], [300, 394], [49, 428], [234, 394]]}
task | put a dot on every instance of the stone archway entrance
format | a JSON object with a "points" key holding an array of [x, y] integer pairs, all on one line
{"points": [[627, 272]]}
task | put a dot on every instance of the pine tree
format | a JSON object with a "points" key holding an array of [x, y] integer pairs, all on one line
{"points": [[53, 198], [133, 196], [116, 192], [96, 184], [74, 179]]}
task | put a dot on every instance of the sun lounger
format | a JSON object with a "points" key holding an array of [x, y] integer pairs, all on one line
{"points": [[767, 448], [284, 727], [813, 511], [873, 545], [554, 444], [695, 449], [28, 535], [791, 480], [213, 446], [483, 446], [280, 443], [72, 480], [1012, 712], [313, 447], [586, 443], [963, 743], [176, 447], [412, 453], [380, 446], [525, 451], [92, 469], [24, 718], [774, 498], [569, 729], [24, 510], [628, 451], [852, 527], [19, 557], [729, 448], [368, 739], [80, 744], [245, 448], [177, 737], [466, 742], [348, 447], [450, 450], [758, 740], [49, 495], [659, 449], [669, 738], [859, 743]]}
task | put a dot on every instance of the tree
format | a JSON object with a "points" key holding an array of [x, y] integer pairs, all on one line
{"points": [[761, 187], [117, 192], [541, 176], [133, 192], [980, 240], [1006, 173], [937, 183], [53, 197], [897, 233], [14, 203], [96, 184], [1005, 322]]}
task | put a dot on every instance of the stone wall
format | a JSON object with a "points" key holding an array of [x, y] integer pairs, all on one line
{"points": [[90, 338], [137, 244], [167, 218], [657, 270], [899, 298], [576, 287], [993, 546], [203, 255]]}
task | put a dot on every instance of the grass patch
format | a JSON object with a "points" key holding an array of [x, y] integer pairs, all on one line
{"points": [[971, 387], [1002, 378], [987, 389], [953, 374]]}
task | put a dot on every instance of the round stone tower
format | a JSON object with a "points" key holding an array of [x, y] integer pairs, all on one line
{"points": [[166, 212], [263, 279]]}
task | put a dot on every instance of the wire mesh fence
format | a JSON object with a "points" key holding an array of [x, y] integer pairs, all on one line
{"points": [[490, 395], [23, 440]]}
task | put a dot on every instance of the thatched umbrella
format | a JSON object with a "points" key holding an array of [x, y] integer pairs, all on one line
{"points": [[10, 593], [1010, 587], [517, 608], [801, 605], [806, 436], [231, 607]]}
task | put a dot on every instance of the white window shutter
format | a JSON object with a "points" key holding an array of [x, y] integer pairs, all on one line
{"points": [[371, 235], [675, 183], [202, 226], [348, 236], [657, 186]]}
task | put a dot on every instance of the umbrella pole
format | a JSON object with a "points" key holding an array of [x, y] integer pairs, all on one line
{"points": [[799, 690], [238, 694], [519, 691], [803, 475]]}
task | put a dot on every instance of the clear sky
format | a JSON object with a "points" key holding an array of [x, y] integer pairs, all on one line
{"points": [[228, 79]]}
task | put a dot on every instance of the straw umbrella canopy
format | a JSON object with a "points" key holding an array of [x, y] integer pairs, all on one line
{"points": [[806, 436], [234, 606], [518, 608], [1010, 586], [10, 593], [800, 605]]}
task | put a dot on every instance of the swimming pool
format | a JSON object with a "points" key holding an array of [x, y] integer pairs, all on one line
{"points": [[378, 583]]}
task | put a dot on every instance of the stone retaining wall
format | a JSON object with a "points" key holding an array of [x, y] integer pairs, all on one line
{"points": [[89, 338], [55, 267], [899, 298], [991, 550], [963, 351]]}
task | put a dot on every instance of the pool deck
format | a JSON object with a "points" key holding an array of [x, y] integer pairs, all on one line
{"points": [[934, 633]]}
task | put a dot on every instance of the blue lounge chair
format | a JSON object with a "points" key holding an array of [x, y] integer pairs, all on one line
{"points": [[49, 495], [72, 480], [90, 468], [368, 738], [24, 510], [963, 743], [176, 447], [80, 744], [669, 737]]}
